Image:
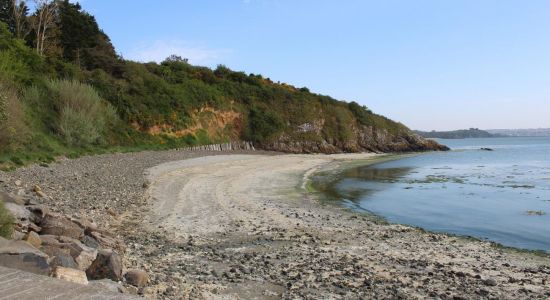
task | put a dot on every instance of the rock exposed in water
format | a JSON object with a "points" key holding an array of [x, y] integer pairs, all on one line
{"points": [[108, 264], [22, 256]]}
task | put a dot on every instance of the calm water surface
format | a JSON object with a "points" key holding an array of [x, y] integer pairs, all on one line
{"points": [[496, 195]]}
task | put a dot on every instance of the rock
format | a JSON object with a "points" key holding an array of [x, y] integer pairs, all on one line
{"points": [[86, 257], [108, 264], [63, 259], [132, 290], [83, 255], [90, 242], [72, 275], [17, 235], [137, 278], [22, 256], [111, 212], [19, 212], [33, 239], [39, 212], [490, 282], [38, 191], [7, 198], [536, 213], [56, 224], [41, 194], [18, 182], [108, 242], [88, 226], [108, 285]]}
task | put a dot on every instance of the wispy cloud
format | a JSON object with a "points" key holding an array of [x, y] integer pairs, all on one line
{"points": [[159, 50]]}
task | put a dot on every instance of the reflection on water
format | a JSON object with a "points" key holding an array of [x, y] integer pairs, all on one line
{"points": [[502, 195]]}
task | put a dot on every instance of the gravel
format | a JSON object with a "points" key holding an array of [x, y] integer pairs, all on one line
{"points": [[344, 256]]}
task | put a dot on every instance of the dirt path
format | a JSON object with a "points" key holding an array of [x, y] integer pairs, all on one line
{"points": [[242, 226]]}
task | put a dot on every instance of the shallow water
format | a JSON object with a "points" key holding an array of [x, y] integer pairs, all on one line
{"points": [[496, 195]]}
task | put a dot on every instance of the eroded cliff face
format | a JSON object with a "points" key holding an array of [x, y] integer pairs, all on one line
{"points": [[364, 139], [311, 137]]}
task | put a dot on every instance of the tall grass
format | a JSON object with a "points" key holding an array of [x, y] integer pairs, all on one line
{"points": [[84, 118], [13, 129], [6, 221]]}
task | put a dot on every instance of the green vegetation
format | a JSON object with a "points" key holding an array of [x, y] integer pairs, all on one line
{"points": [[65, 91], [457, 134], [6, 221]]}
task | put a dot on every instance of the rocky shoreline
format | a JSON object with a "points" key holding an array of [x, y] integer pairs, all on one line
{"points": [[309, 251]]}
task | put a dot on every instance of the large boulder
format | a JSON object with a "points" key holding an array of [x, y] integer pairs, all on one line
{"points": [[56, 224], [72, 275], [108, 264], [22, 256]]}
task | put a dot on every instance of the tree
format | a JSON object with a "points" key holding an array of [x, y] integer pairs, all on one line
{"points": [[82, 40], [19, 12], [175, 59], [6, 14], [44, 21]]}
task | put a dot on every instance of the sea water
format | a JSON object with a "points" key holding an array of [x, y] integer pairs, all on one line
{"points": [[501, 195]]}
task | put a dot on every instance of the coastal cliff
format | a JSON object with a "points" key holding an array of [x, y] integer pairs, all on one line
{"points": [[366, 139], [55, 104]]}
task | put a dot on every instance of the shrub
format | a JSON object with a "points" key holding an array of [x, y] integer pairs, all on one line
{"points": [[6, 221], [13, 130], [262, 125], [84, 118]]}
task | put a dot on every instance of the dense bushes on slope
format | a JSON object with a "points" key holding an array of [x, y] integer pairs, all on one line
{"points": [[79, 96]]}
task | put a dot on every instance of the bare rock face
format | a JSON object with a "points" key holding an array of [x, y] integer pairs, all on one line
{"points": [[71, 275], [138, 278], [21, 255], [108, 264], [56, 224], [362, 139]]}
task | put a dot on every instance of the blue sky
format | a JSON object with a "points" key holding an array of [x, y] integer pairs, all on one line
{"points": [[429, 64]]}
